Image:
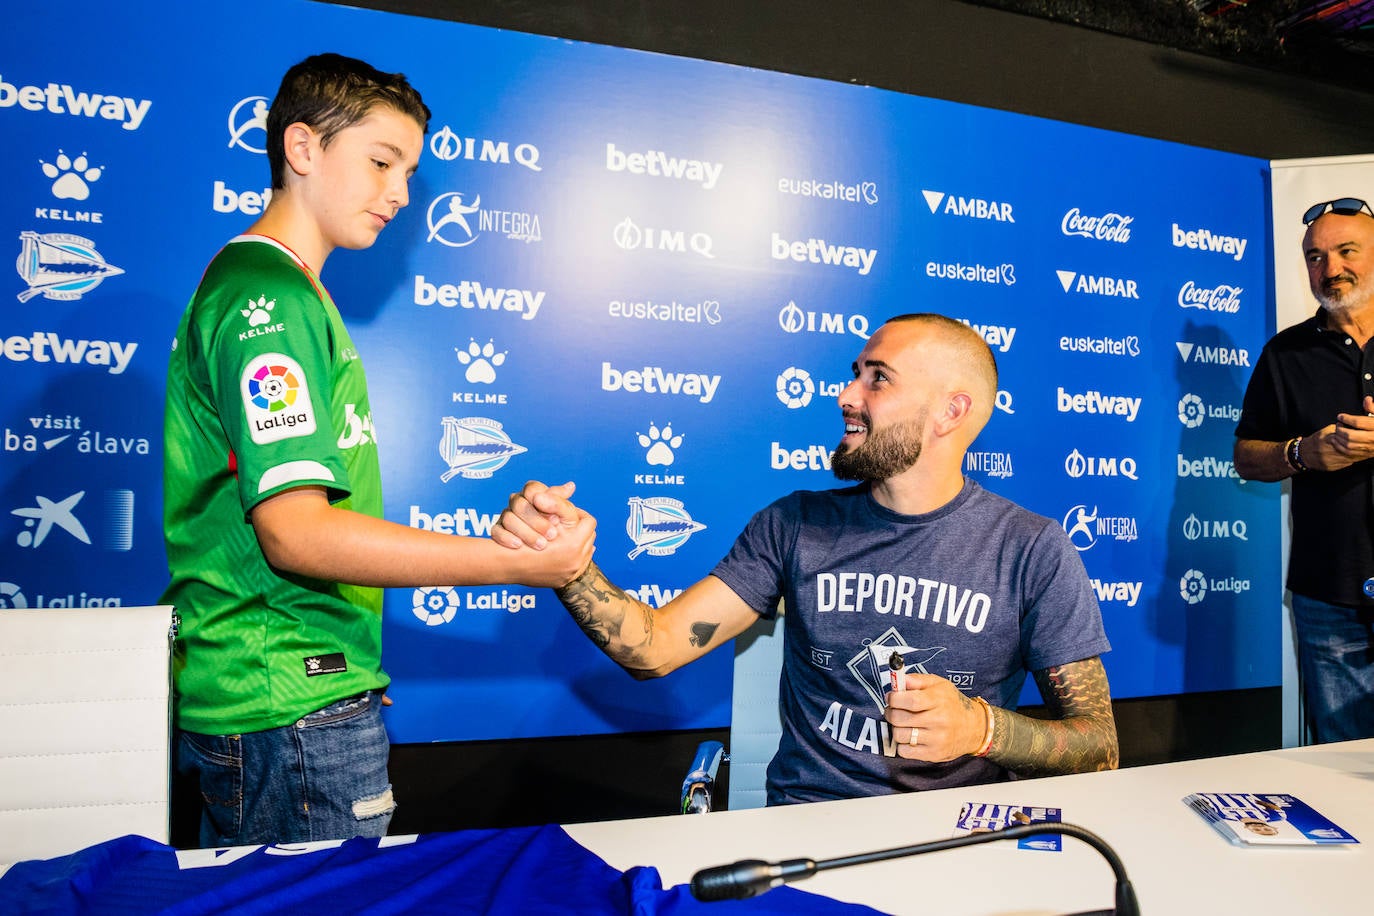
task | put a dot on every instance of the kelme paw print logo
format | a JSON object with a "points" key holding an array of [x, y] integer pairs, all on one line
{"points": [[660, 443], [481, 362], [72, 178], [257, 311]]}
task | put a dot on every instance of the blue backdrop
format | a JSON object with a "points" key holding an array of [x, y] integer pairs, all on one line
{"points": [[649, 275]]}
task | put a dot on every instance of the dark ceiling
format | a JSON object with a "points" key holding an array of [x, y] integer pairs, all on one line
{"points": [[1331, 41]]}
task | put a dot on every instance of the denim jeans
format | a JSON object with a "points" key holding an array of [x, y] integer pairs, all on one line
{"points": [[323, 777], [1336, 666]]}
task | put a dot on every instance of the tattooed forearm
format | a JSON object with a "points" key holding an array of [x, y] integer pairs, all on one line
{"points": [[601, 609], [1080, 738]]}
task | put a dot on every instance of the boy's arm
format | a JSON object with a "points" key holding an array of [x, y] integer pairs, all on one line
{"points": [[300, 532], [650, 642]]}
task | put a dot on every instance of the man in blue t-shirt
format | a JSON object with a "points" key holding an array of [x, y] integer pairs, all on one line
{"points": [[916, 601]]}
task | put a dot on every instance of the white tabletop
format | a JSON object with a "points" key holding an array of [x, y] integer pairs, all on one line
{"points": [[1176, 861]]}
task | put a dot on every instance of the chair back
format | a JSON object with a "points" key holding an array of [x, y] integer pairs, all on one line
{"points": [[85, 727]]}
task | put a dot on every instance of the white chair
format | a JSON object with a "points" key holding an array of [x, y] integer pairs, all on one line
{"points": [[85, 727], [755, 725]]}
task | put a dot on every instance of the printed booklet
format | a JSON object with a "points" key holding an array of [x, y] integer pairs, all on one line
{"points": [[1253, 819], [985, 817]]}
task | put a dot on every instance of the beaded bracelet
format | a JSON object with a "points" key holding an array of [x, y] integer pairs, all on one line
{"points": [[1293, 455]]}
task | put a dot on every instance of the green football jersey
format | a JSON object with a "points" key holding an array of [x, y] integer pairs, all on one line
{"points": [[265, 392]]}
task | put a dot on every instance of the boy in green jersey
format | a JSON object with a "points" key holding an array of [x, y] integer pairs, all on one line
{"points": [[276, 543]]}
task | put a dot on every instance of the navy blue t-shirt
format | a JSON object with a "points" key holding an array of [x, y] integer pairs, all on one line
{"points": [[980, 592]]}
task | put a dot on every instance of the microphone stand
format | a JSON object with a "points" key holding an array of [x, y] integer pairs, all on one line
{"points": [[752, 876]]}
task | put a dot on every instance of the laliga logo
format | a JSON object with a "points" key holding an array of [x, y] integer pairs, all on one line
{"points": [[795, 388], [11, 596], [1190, 411], [1193, 586], [435, 606], [241, 122]]}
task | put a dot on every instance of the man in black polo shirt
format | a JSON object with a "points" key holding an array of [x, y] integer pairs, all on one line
{"points": [[1309, 415]]}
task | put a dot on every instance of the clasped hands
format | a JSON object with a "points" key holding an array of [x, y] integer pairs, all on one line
{"points": [[541, 518], [1348, 440]]}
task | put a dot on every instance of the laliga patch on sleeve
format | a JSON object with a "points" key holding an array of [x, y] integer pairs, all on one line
{"points": [[276, 399]]}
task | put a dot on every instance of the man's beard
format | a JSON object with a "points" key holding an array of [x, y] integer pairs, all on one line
{"points": [[883, 454], [1352, 298]]}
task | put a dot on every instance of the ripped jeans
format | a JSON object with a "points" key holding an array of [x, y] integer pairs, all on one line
{"points": [[323, 777]]}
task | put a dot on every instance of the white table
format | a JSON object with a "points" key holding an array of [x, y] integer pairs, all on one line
{"points": [[1177, 863]]}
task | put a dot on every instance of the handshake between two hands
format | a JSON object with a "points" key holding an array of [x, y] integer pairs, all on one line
{"points": [[544, 519]]}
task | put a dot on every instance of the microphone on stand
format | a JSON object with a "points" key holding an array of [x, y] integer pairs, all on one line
{"points": [[753, 876]]}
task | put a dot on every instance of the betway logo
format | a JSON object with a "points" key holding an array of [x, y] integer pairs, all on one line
{"points": [[1128, 592], [995, 335], [660, 165], [971, 207], [1218, 356], [461, 521], [1098, 286], [470, 294], [653, 380], [47, 347], [60, 98], [1206, 467], [812, 458], [819, 251], [1097, 402], [1207, 240]]}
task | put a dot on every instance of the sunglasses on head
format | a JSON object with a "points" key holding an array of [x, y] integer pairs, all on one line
{"points": [[1345, 206]]}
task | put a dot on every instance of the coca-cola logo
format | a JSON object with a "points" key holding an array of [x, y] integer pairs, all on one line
{"points": [[1109, 227], [1220, 298]]}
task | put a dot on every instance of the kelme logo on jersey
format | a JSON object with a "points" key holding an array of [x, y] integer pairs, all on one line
{"points": [[475, 448], [276, 399], [60, 266], [659, 526]]}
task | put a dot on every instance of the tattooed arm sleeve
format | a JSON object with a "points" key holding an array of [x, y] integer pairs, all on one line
{"points": [[650, 642], [1081, 736]]}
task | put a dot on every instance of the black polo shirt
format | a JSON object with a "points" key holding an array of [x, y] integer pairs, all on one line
{"points": [[1305, 376]]}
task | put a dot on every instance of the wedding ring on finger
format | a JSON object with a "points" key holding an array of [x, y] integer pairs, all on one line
{"points": [[915, 734]]}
